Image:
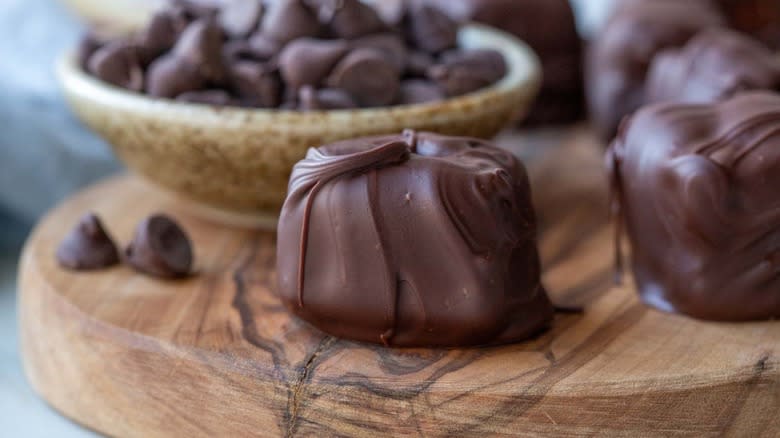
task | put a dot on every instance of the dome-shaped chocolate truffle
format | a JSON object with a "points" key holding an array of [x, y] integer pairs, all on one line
{"points": [[412, 240], [697, 187]]}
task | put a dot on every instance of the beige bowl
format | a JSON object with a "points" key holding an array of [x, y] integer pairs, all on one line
{"points": [[235, 163]]}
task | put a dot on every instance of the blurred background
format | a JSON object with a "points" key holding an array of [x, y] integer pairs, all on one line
{"points": [[45, 154]]}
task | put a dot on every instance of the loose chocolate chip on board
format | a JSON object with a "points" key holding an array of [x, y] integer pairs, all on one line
{"points": [[117, 63], [88, 246], [160, 248], [368, 76]]}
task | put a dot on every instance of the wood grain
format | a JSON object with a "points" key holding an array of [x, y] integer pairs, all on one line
{"points": [[216, 355]]}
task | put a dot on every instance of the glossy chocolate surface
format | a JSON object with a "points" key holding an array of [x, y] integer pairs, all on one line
{"points": [[87, 247], [714, 65], [619, 57], [697, 191], [412, 240]]}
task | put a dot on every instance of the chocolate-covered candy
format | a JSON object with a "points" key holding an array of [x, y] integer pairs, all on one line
{"points": [[368, 76], [466, 71], [351, 18], [88, 246], [758, 18], [207, 97], [256, 84], [549, 28], [430, 29], [311, 99], [286, 20], [390, 44], [414, 91], [621, 54], [714, 65], [200, 45], [160, 248], [307, 61], [239, 18], [169, 76], [117, 63], [414, 240], [697, 191]]}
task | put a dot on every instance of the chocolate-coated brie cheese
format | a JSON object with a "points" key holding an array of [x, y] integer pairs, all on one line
{"points": [[412, 240], [697, 191]]}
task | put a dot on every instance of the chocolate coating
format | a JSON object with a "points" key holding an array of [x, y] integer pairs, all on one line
{"points": [[88, 247], [160, 248], [368, 76], [697, 191], [618, 59], [412, 240], [714, 65]]}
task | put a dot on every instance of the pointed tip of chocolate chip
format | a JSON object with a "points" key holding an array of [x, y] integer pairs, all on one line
{"points": [[88, 246], [160, 248]]}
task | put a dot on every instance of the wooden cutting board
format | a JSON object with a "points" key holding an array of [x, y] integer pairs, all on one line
{"points": [[216, 355]]}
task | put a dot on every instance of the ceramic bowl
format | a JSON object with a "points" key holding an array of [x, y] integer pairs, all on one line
{"points": [[234, 163]]}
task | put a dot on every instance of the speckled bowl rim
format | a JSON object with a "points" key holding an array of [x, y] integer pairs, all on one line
{"points": [[523, 70]]}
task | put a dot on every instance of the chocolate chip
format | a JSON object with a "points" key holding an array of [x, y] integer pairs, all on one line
{"points": [[206, 97], [418, 63], [414, 91], [287, 20], [256, 84], [390, 44], [161, 248], [117, 63], [467, 71], [239, 18], [169, 76], [431, 29], [87, 47], [88, 246], [160, 34], [263, 47], [366, 75], [308, 61], [392, 12], [311, 99], [193, 9], [351, 18], [200, 45]]}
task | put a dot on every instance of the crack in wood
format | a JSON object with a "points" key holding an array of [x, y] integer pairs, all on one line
{"points": [[305, 375]]}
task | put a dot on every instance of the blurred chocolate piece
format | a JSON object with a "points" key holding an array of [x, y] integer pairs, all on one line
{"points": [[311, 99], [169, 76], [621, 54], [200, 45], [160, 248], [117, 63], [351, 18], [307, 61], [368, 77], [88, 45], [88, 246], [160, 34], [287, 20], [696, 187], [466, 71], [549, 28], [239, 18], [390, 44], [256, 84], [414, 91], [195, 9], [758, 18], [207, 97], [714, 65], [412, 240], [392, 12], [430, 29], [418, 63]]}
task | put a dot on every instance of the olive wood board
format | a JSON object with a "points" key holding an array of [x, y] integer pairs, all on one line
{"points": [[218, 355]]}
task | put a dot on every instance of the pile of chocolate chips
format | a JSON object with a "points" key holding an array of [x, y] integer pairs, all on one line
{"points": [[295, 54]]}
